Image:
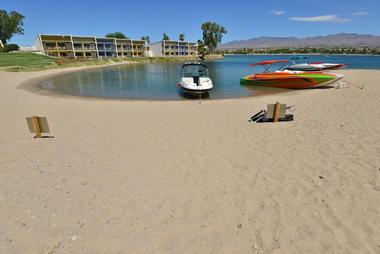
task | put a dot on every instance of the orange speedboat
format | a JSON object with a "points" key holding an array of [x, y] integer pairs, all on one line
{"points": [[289, 79]]}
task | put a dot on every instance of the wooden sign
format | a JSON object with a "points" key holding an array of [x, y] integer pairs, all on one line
{"points": [[38, 125], [276, 111]]}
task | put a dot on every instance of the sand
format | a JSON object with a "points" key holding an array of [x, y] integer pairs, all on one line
{"points": [[184, 177]]}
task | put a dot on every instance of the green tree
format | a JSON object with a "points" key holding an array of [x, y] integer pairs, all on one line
{"points": [[202, 50], [182, 37], [212, 34], [145, 38], [165, 37], [10, 24], [118, 35]]}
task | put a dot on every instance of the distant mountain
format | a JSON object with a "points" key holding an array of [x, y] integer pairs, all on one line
{"points": [[334, 40]]}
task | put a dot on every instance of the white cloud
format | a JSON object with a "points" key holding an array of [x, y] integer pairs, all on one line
{"points": [[325, 18], [361, 13], [277, 12]]}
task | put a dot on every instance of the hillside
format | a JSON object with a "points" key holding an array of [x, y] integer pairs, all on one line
{"points": [[336, 40]]}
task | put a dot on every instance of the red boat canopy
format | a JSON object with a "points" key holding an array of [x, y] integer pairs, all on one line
{"points": [[269, 62]]}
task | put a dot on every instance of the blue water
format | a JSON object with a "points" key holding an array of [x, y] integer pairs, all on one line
{"points": [[158, 81]]}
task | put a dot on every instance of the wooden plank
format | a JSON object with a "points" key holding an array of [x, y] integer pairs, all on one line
{"points": [[44, 126], [29, 122], [36, 126], [270, 111], [276, 113]]}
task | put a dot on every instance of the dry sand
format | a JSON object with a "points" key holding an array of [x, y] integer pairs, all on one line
{"points": [[184, 177]]}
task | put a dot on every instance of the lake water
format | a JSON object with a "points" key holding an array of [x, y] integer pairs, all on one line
{"points": [[157, 81]]}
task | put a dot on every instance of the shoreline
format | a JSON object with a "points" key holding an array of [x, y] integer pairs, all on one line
{"points": [[153, 171], [33, 85], [95, 62], [307, 54]]}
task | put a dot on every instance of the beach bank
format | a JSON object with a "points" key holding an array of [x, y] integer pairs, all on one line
{"points": [[190, 177], [24, 62]]}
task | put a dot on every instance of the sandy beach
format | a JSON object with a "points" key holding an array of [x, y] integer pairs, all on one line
{"points": [[189, 177]]}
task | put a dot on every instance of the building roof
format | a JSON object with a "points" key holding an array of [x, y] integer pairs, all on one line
{"points": [[85, 36], [171, 41]]}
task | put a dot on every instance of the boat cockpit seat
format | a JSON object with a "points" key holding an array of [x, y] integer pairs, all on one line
{"points": [[196, 80]]}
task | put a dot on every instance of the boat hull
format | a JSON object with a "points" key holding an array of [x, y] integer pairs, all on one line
{"points": [[291, 81], [200, 84], [191, 94], [314, 67], [192, 89]]}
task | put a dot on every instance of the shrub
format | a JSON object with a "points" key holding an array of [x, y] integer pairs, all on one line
{"points": [[9, 48]]}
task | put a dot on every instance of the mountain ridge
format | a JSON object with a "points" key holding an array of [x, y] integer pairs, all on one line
{"points": [[331, 40]]}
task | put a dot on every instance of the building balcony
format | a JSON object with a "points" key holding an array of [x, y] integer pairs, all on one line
{"points": [[57, 48], [106, 49], [124, 48], [84, 49]]}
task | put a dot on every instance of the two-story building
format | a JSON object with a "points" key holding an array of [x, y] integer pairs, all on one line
{"points": [[68, 46], [170, 48]]}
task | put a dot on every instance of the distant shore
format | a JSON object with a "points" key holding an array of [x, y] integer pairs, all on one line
{"points": [[306, 54]]}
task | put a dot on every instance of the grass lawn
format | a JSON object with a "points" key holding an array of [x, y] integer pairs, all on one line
{"points": [[23, 61]]}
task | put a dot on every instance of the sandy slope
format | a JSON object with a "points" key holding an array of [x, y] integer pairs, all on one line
{"points": [[184, 177]]}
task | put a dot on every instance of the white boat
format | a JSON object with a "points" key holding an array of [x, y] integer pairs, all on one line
{"points": [[195, 77], [314, 66]]}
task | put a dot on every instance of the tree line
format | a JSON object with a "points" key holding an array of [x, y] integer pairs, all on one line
{"points": [[165, 36], [11, 23], [325, 51], [212, 36]]}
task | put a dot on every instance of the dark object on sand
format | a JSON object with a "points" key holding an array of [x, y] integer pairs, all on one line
{"points": [[273, 113]]}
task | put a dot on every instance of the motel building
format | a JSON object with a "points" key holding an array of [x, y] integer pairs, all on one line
{"points": [[68, 46], [173, 48]]}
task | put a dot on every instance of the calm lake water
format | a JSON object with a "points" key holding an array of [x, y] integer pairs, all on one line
{"points": [[158, 81]]}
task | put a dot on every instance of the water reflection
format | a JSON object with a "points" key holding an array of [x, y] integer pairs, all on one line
{"points": [[262, 90], [155, 81], [193, 95]]}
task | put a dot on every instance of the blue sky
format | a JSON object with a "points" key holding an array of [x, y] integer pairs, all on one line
{"points": [[243, 19]]}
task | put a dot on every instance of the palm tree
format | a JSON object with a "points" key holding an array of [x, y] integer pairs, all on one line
{"points": [[145, 38], [118, 35], [182, 37], [165, 37]]}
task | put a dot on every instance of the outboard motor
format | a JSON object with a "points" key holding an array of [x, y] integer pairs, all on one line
{"points": [[196, 80]]}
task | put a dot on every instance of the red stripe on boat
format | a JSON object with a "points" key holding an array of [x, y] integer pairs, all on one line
{"points": [[269, 62]]}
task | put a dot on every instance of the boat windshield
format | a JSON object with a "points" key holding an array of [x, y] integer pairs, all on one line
{"points": [[195, 70]]}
